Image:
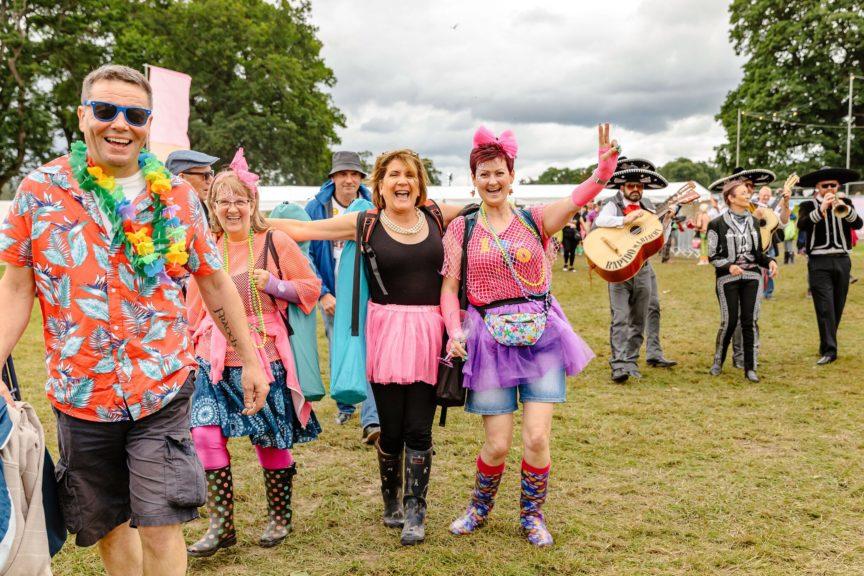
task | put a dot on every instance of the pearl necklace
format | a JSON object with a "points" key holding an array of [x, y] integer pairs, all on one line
{"points": [[393, 227]]}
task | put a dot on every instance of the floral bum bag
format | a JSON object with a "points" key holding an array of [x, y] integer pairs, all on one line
{"points": [[517, 328]]}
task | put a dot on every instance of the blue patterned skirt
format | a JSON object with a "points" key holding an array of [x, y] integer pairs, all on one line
{"points": [[274, 426]]}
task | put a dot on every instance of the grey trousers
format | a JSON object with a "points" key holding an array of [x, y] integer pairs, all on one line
{"points": [[635, 306]]}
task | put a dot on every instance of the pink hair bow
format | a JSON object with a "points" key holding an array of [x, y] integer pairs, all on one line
{"points": [[241, 169], [507, 140]]}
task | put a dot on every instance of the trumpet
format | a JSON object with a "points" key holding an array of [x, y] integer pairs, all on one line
{"points": [[841, 209]]}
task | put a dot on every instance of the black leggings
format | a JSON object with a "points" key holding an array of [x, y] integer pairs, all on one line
{"points": [[569, 246], [738, 298], [405, 413]]}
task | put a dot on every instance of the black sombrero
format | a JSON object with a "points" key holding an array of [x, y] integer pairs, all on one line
{"points": [[636, 170], [841, 175], [650, 179], [757, 176], [625, 163]]}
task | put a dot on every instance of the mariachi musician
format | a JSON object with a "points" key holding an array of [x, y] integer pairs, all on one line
{"points": [[829, 220], [634, 302], [735, 251], [752, 178]]}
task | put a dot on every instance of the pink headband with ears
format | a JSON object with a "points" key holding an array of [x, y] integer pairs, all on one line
{"points": [[507, 140], [241, 169]]}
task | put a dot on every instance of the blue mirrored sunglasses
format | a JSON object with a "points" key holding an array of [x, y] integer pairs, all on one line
{"points": [[107, 112]]}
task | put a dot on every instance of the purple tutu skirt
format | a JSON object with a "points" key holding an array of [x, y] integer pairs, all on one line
{"points": [[492, 365]]}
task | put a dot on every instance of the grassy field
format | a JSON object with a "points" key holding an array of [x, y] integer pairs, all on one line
{"points": [[679, 473]]}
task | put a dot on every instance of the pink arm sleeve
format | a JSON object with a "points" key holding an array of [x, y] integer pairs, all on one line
{"points": [[587, 190], [450, 312]]}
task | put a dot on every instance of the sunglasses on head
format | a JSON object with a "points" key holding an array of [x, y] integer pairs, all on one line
{"points": [[107, 112]]}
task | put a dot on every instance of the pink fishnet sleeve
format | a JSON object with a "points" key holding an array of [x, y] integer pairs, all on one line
{"points": [[295, 267], [453, 248]]}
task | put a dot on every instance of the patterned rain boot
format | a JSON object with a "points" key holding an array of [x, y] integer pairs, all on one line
{"points": [[486, 483], [220, 509], [534, 487], [390, 467], [278, 484], [418, 465]]}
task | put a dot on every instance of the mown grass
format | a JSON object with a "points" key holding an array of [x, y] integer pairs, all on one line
{"points": [[679, 473]]}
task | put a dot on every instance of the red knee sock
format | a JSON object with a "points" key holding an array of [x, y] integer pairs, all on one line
{"points": [[488, 470], [528, 468]]}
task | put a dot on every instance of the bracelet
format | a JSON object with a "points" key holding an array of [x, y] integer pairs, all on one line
{"points": [[598, 180]]}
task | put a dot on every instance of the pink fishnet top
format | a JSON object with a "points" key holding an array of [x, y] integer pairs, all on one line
{"points": [[293, 267], [489, 278]]}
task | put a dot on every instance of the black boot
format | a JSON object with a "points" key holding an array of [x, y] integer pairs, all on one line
{"points": [[390, 467], [220, 509], [418, 465], [278, 484]]}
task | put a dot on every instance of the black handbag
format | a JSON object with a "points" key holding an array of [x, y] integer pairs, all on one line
{"points": [[449, 391]]}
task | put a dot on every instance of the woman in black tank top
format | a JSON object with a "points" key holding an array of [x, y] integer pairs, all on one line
{"points": [[404, 328]]}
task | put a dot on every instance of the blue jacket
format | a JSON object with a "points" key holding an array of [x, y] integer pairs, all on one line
{"points": [[321, 208]]}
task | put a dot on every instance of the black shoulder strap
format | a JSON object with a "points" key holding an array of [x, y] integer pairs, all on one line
{"points": [[470, 223], [526, 213], [431, 207], [270, 250]]}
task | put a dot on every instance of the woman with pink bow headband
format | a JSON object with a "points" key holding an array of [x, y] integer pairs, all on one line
{"points": [[515, 339], [269, 271]]}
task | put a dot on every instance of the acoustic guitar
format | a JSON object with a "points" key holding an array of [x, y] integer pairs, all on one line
{"points": [[617, 254], [767, 217]]}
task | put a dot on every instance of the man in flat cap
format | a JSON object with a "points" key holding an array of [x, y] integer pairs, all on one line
{"points": [[342, 187], [829, 220], [196, 168], [635, 303]]}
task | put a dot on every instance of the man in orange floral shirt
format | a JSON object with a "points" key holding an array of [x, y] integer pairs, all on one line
{"points": [[103, 236]]}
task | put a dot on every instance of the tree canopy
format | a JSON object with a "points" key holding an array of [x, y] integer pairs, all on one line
{"points": [[682, 169], [799, 55], [258, 78]]}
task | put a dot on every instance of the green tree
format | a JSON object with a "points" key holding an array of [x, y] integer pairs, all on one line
{"points": [[45, 50], [258, 80], [799, 55], [433, 172], [682, 169], [553, 175]]}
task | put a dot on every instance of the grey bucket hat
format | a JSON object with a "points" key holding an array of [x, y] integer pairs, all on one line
{"points": [[346, 161]]}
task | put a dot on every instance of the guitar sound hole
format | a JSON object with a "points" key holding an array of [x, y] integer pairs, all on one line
{"points": [[636, 230]]}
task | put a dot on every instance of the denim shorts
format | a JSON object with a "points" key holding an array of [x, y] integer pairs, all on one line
{"points": [[551, 388]]}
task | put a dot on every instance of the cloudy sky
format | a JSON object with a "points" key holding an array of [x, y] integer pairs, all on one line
{"points": [[424, 75]]}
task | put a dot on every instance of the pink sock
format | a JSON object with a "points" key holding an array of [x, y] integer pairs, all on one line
{"points": [[274, 458], [528, 468], [211, 446]]}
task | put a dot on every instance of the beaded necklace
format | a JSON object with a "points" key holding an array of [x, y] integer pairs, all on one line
{"points": [[253, 288], [506, 254], [157, 250]]}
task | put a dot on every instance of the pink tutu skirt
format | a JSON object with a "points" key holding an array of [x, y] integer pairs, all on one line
{"points": [[403, 343]]}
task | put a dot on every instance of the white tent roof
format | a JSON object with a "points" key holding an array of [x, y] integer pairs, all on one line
{"points": [[527, 194]]}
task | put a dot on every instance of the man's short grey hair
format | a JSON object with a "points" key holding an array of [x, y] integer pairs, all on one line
{"points": [[116, 72]]}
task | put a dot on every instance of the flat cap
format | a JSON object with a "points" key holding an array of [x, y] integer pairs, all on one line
{"points": [[180, 161]]}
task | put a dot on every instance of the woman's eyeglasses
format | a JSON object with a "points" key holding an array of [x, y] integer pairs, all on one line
{"points": [[107, 112], [240, 203]]}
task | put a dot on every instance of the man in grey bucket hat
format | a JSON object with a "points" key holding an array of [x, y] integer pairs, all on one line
{"points": [[336, 194]]}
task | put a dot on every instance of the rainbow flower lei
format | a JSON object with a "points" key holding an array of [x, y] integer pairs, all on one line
{"points": [[155, 250]]}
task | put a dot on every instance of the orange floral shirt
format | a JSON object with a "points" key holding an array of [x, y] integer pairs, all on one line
{"points": [[116, 345]]}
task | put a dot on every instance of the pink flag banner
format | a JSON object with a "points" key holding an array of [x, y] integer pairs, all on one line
{"points": [[169, 130]]}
